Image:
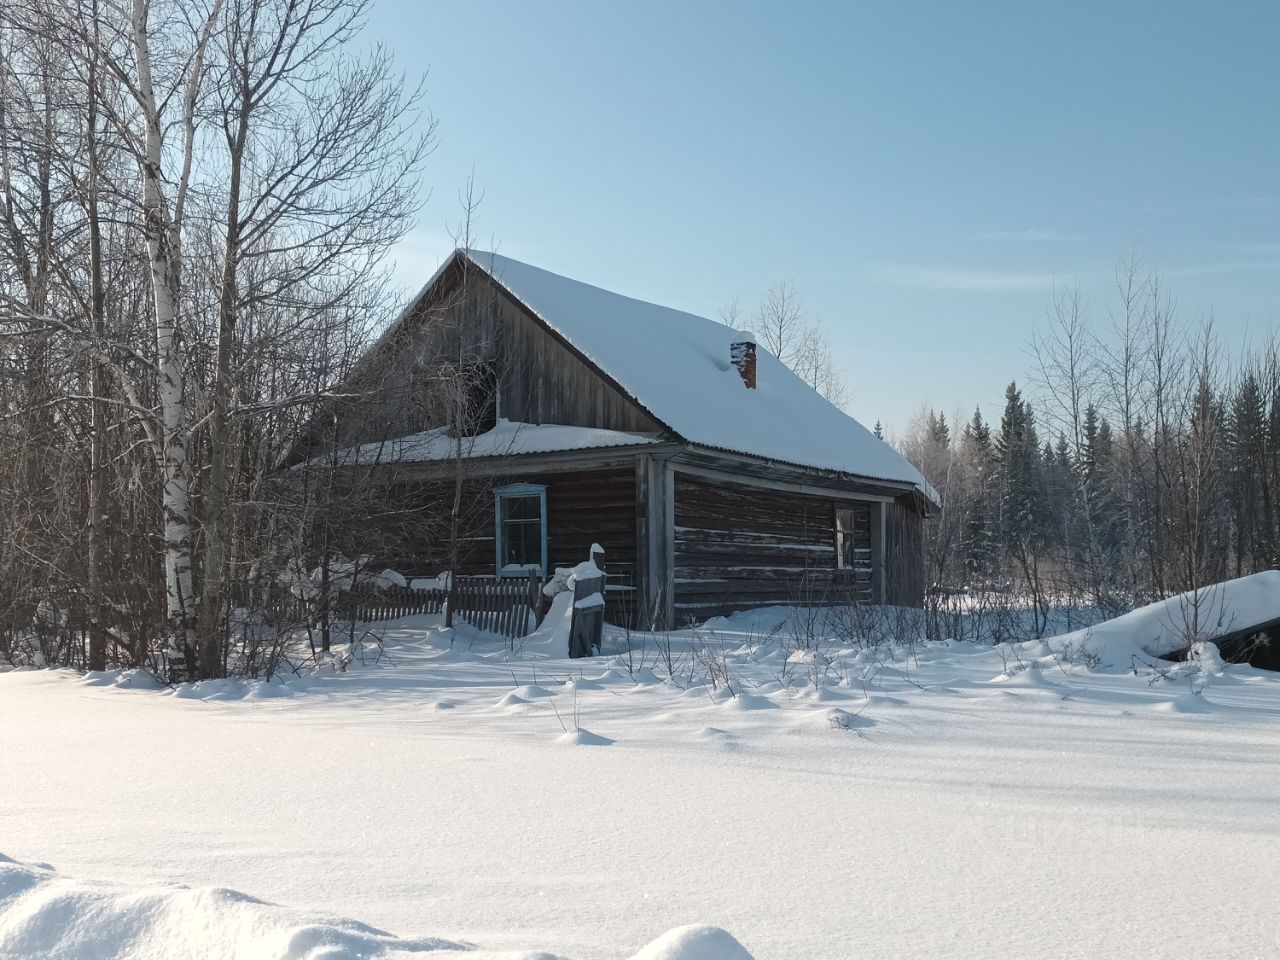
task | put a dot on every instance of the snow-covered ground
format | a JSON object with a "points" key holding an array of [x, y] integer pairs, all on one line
{"points": [[954, 800]]}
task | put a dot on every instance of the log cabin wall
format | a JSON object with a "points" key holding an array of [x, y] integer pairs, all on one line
{"points": [[583, 507], [591, 507], [738, 547], [904, 551]]}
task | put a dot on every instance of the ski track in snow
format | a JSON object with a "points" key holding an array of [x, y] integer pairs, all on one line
{"points": [[962, 802]]}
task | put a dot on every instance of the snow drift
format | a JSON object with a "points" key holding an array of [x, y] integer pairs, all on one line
{"points": [[45, 915], [1170, 625]]}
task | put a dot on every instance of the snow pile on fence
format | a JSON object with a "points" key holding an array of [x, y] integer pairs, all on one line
{"points": [[551, 639], [1168, 626], [43, 914]]}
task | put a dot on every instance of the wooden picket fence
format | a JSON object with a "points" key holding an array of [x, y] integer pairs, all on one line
{"points": [[389, 603], [506, 607]]}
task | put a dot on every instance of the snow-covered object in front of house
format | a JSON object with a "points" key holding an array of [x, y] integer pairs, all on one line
{"points": [[552, 636], [388, 580], [586, 570], [342, 573], [566, 578], [677, 366], [507, 439], [1170, 625], [299, 583], [439, 582], [551, 639]]}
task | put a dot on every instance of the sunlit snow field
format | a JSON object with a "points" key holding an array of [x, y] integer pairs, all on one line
{"points": [[951, 801]]}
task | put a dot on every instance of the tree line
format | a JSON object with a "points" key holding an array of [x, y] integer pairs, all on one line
{"points": [[1139, 459], [196, 199]]}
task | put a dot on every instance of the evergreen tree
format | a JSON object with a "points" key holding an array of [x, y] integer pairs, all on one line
{"points": [[879, 431], [1247, 429], [939, 432], [979, 536], [977, 432], [1017, 449]]}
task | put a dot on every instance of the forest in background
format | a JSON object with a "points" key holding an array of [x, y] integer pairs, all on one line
{"points": [[196, 203], [1139, 458]]}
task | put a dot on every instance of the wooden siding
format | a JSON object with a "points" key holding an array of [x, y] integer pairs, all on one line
{"points": [[904, 551], [545, 381], [471, 320], [591, 507], [739, 547], [583, 508]]}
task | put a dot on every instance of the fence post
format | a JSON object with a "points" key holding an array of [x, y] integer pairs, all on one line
{"points": [[534, 598], [448, 599]]}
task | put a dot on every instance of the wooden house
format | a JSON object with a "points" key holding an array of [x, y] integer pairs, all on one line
{"points": [[714, 478]]}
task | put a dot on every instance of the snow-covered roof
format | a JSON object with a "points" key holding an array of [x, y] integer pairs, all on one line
{"points": [[506, 439], [677, 366]]}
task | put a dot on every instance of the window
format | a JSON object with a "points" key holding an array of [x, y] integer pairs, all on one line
{"points": [[521, 528], [856, 545], [846, 540]]}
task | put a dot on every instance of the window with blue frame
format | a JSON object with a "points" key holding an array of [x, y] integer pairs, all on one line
{"points": [[521, 528]]}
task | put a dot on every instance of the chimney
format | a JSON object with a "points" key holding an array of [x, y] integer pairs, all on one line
{"points": [[742, 355]]}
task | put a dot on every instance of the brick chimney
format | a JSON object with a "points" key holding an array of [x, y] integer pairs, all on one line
{"points": [[742, 355]]}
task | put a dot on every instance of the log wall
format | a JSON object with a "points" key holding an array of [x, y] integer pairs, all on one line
{"points": [[904, 552], [583, 508], [738, 547]]}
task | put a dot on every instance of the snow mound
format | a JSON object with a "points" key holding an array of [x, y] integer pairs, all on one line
{"points": [[512, 700], [713, 733], [1029, 678], [836, 718], [137, 679], [694, 943], [43, 914], [232, 689], [1188, 703], [750, 701], [704, 691], [583, 738], [613, 675], [825, 694], [531, 691], [1173, 624]]}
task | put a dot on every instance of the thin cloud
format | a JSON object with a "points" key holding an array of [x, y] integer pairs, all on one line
{"points": [[967, 280], [1030, 235], [1265, 249], [1232, 266]]}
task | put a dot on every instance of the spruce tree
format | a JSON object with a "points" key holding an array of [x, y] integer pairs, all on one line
{"points": [[939, 432], [979, 552]]}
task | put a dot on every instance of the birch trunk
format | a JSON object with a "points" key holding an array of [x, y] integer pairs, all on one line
{"points": [[163, 236], [97, 309], [217, 526]]}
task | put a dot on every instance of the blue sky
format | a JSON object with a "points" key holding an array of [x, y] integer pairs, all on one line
{"points": [[925, 173]]}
